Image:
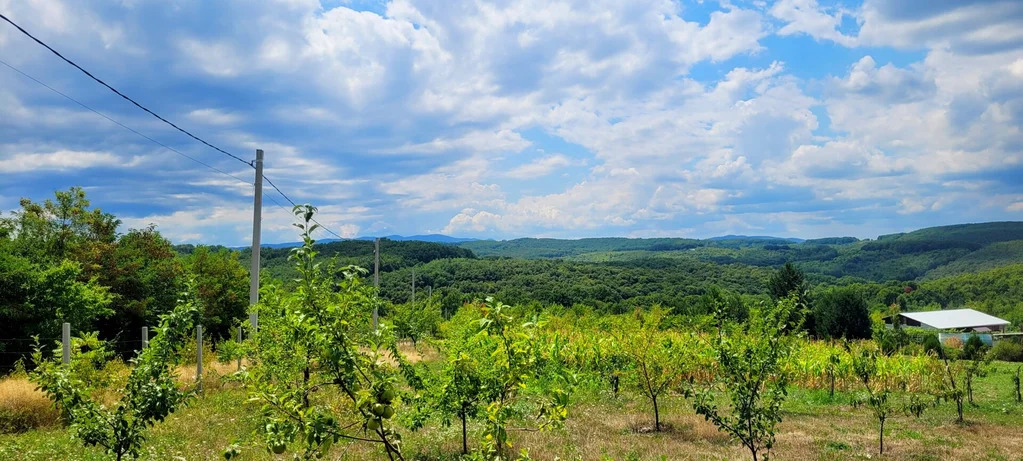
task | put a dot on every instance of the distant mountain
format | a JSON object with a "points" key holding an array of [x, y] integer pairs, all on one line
{"points": [[756, 237], [432, 238]]}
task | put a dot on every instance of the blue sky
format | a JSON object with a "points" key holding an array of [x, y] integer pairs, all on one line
{"points": [[522, 118]]}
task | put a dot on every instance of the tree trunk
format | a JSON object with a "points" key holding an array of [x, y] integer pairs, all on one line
{"points": [[657, 416], [881, 438], [959, 408], [465, 444], [832, 384]]}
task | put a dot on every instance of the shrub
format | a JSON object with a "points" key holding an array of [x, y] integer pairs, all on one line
{"points": [[1007, 350]]}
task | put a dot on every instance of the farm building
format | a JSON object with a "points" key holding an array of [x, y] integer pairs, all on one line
{"points": [[963, 320]]}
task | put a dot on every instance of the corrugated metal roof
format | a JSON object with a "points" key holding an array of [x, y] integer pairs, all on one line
{"points": [[955, 318]]}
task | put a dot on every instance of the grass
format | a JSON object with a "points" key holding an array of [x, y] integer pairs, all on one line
{"points": [[599, 427], [23, 408]]}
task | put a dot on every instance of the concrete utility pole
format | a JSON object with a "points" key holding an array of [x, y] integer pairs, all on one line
{"points": [[376, 280], [65, 338], [257, 210]]}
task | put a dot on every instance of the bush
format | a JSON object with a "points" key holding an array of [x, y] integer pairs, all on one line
{"points": [[1007, 350]]}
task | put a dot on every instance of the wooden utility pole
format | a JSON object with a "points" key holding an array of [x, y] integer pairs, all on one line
{"points": [[376, 281], [257, 210]]}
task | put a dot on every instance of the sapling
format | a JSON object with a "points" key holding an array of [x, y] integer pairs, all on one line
{"points": [[150, 395], [865, 365], [309, 341], [751, 373], [656, 367]]}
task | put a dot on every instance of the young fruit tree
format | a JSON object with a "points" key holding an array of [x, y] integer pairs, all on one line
{"points": [[518, 368], [150, 395], [750, 372], [865, 365], [317, 367], [656, 367]]}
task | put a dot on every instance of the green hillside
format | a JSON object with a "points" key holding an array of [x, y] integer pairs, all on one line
{"points": [[925, 253]]}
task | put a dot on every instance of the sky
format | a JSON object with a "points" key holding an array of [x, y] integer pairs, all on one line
{"points": [[523, 118]]}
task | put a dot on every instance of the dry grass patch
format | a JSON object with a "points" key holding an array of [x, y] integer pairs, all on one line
{"points": [[23, 408]]}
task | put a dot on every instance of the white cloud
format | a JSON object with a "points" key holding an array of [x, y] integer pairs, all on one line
{"points": [[63, 160], [807, 17], [540, 167]]}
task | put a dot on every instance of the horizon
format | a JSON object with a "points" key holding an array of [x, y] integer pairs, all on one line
{"points": [[465, 239], [791, 118]]}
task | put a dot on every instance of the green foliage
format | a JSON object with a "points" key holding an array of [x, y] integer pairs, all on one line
{"points": [[415, 321], [751, 373], [394, 255], [675, 284], [35, 301], [841, 312], [657, 361], [880, 387], [516, 359], [314, 339], [221, 286], [1007, 350], [150, 395]]}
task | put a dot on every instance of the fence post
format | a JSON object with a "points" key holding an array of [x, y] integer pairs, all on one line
{"points": [[239, 344], [145, 337], [198, 355], [66, 339]]}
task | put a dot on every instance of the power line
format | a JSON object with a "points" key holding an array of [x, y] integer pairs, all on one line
{"points": [[154, 114], [218, 170], [292, 202], [136, 103]]}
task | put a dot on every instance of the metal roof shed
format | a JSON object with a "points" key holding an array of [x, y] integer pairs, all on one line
{"points": [[954, 319]]}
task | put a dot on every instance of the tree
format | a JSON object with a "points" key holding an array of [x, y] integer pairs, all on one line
{"points": [[514, 357], [751, 372], [145, 276], [975, 353], [790, 281], [222, 285], [150, 395], [317, 337], [865, 365], [786, 281], [841, 312], [656, 364], [35, 301], [414, 321]]}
